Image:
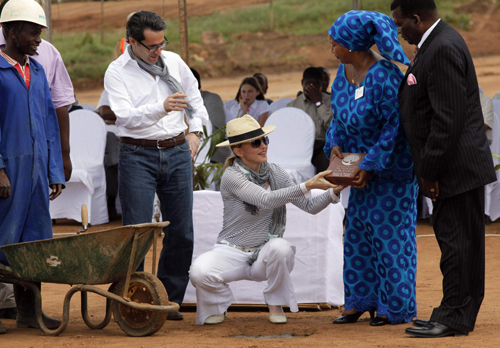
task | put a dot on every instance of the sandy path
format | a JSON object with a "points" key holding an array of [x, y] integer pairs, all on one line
{"points": [[287, 85]]}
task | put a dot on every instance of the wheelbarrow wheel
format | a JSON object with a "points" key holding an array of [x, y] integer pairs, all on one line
{"points": [[143, 288]]}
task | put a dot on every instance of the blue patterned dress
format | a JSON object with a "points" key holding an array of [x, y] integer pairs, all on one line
{"points": [[380, 254]]}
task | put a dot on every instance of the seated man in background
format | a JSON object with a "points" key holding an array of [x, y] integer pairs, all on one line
{"points": [[326, 79], [317, 105], [217, 116], [262, 80]]}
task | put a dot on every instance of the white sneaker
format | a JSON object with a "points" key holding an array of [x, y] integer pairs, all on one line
{"points": [[215, 319], [277, 319]]}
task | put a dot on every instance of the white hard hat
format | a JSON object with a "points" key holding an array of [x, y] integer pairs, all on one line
{"points": [[25, 11]]}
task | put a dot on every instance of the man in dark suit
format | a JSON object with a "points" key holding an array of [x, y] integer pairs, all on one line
{"points": [[441, 114]]}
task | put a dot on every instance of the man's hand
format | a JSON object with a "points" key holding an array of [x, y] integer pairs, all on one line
{"points": [[432, 188], [68, 167], [175, 102], [194, 143], [56, 191], [313, 92], [361, 178], [4, 184]]}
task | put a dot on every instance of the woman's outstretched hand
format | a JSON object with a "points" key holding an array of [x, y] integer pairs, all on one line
{"points": [[319, 182]]}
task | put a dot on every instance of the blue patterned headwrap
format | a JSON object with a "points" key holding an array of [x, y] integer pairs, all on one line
{"points": [[360, 30]]}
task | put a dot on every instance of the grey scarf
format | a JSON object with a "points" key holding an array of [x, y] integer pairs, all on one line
{"points": [[279, 214], [160, 69]]}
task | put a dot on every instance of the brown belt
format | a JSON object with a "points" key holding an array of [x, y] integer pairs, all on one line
{"points": [[159, 144]]}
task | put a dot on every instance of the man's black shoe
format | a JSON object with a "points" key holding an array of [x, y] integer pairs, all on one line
{"points": [[433, 330], [175, 316], [420, 322]]}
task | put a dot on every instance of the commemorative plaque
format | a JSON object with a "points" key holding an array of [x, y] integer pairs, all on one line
{"points": [[343, 168]]}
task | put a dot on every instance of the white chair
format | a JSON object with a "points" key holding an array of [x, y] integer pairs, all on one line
{"points": [[88, 107], [317, 274], [292, 143], [492, 191], [227, 109], [88, 181], [279, 104]]}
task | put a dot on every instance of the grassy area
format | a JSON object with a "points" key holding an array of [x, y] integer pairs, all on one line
{"points": [[87, 58], [292, 16]]}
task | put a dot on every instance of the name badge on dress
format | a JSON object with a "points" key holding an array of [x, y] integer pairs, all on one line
{"points": [[359, 93]]}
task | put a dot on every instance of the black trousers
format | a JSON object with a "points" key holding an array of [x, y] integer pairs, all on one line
{"points": [[319, 159], [459, 229]]}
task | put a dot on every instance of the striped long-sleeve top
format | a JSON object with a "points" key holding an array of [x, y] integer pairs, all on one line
{"points": [[242, 228]]}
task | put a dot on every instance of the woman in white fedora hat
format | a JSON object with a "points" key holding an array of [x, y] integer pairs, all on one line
{"points": [[250, 245]]}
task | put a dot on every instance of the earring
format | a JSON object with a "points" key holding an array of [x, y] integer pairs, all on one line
{"points": [[350, 51]]}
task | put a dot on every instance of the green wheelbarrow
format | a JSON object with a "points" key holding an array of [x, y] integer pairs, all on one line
{"points": [[138, 300]]}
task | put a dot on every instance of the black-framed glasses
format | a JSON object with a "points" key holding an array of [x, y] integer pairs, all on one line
{"points": [[256, 143], [156, 47]]}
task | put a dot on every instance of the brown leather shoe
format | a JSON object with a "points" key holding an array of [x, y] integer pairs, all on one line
{"points": [[175, 316]]}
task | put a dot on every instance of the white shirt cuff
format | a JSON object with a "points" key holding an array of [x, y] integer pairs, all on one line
{"points": [[335, 198], [195, 125], [159, 110], [305, 191]]}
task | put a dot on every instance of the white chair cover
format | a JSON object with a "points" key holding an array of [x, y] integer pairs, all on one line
{"points": [[492, 191], [227, 109], [292, 143], [317, 275], [279, 104], [88, 181], [88, 107]]}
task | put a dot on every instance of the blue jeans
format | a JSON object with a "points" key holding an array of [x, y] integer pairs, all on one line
{"points": [[145, 170]]}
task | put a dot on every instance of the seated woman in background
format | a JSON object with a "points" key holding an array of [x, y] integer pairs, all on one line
{"points": [[251, 101], [251, 245]]}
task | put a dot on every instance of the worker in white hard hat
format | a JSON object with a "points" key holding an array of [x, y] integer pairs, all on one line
{"points": [[30, 147]]}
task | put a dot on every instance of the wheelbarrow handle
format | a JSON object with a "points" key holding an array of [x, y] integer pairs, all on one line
{"points": [[85, 219]]}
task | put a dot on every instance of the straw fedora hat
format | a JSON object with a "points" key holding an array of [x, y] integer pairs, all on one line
{"points": [[244, 129]]}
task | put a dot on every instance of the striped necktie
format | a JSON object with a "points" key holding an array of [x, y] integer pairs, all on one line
{"points": [[414, 54]]}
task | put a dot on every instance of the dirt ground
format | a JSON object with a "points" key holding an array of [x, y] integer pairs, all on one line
{"points": [[307, 329]]}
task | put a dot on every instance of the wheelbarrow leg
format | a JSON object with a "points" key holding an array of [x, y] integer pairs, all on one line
{"points": [[86, 317]]}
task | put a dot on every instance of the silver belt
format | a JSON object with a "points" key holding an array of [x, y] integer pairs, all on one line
{"points": [[244, 249]]}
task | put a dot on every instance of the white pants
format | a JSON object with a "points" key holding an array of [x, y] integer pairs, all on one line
{"points": [[7, 299], [212, 271]]}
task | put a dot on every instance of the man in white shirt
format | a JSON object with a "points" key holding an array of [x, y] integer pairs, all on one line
{"points": [[149, 91]]}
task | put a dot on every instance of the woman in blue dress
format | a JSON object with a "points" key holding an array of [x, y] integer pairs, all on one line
{"points": [[379, 246]]}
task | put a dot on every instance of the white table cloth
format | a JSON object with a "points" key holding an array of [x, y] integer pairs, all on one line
{"points": [[317, 275]]}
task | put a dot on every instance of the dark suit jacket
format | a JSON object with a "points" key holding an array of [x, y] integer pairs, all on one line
{"points": [[442, 115]]}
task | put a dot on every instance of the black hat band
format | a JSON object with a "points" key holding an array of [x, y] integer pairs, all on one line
{"points": [[245, 136]]}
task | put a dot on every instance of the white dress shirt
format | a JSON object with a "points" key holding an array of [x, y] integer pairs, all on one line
{"points": [[136, 98], [257, 108], [427, 33]]}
